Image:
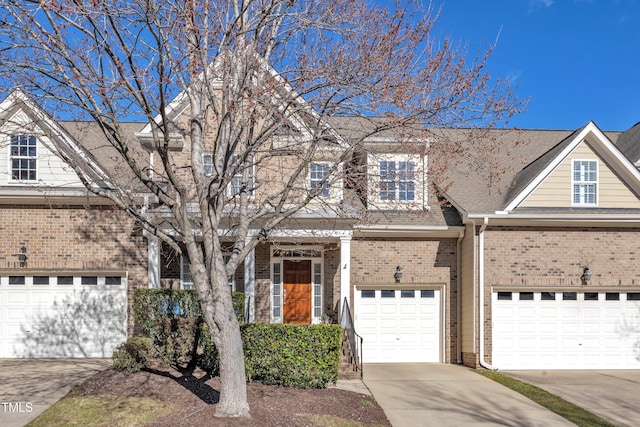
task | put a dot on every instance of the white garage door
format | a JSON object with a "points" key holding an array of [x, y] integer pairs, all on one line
{"points": [[399, 325], [62, 315], [566, 330]]}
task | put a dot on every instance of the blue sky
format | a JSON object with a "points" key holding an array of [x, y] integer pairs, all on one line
{"points": [[576, 60]]}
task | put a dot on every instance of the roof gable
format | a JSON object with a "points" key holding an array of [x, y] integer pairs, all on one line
{"points": [[301, 120], [55, 148], [540, 177]]}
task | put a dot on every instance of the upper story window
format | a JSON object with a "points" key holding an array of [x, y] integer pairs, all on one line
{"points": [[23, 158], [318, 173], [397, 181], [207, 160], [585, 182], [237, 182]]}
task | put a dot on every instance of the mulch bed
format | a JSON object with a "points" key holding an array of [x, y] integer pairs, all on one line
{"points": [[194, 397]]}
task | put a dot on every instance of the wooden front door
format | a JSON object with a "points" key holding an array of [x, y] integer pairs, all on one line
{"points": [[297, 291]]}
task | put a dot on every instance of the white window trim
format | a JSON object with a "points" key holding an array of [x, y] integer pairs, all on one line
{"points": [[11, 158], [186, 280], [205, 155], [252, 177], [596, 183], [419, 178], [334, 186], [314, 289]]}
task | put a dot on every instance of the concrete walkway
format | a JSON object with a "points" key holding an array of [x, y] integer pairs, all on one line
{"points": [[29, 386], [449, 395], [611, 394]]}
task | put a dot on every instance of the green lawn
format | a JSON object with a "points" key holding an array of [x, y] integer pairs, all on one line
{"points": [[99, 411]]}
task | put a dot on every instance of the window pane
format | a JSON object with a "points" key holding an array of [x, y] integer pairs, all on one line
{"points": [[591, 296], [387, 180], [65, 280], [548, 296], [526, 296], [612, 296], [569, 296], [89, 280], [112, 280], [317, 173], [16, 280], [407, 293], [367, 293], [427, 293], [504, 296], [633, 296], [40, 280], [387, 294]]}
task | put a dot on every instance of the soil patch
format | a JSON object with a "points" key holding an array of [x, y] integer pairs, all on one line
{"points": [[193, 398]]}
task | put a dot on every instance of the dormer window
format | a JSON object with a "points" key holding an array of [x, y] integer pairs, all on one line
{"points": [[397, 181], [23, 158], [585, 183], [318, 173]]}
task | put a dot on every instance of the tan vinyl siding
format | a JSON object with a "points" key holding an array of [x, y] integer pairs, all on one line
{"points": [[467, 292], [556, 189]]}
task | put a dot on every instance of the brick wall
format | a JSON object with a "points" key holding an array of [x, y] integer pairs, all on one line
{"points": [[422, 261], [67, 238], [554, 257]]}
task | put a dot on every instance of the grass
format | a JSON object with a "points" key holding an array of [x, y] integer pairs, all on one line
{"points": [[99, 411], [568, 410]]}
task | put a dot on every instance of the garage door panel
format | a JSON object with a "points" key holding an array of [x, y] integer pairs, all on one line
{"points": [[57, 321], [403, 329], [565, 334], [388, 309]]}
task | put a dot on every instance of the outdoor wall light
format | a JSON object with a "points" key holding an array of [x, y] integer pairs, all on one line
{"points": [[22, 255], [398, 274], [586, 276]]}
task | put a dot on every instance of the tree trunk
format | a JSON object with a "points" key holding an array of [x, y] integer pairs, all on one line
{"points": [[225, 333]]}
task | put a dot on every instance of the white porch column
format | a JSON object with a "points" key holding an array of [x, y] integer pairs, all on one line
{"points": [[249, 284], [345, 271], [153, 252]]}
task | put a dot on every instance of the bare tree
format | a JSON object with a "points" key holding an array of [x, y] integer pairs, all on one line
{"points": [[202, 75]]}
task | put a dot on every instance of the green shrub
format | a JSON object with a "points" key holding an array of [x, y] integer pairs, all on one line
{"points": [[150, 305], [292, 355], [133, 354], [209, 360], [301, 356], [175, 340]]}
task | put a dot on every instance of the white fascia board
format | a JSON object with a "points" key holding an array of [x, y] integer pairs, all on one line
{"points": [[602, 140], [577, 220]]}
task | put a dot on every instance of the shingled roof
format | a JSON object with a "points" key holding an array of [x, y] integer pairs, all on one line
{"points": [[516, 158]]}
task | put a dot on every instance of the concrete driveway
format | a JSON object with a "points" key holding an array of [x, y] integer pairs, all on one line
{"points": [[450, 395], [29, 386], [613, 395]]}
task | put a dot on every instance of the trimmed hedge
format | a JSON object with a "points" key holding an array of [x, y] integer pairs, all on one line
{"points": [[150, 305], [303, 356], [133, 354]]}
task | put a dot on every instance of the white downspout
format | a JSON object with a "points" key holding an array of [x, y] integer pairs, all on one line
{"points": [[485, 222], [458, 299]]}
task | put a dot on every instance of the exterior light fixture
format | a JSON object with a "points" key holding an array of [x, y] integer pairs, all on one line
{"points": [[398, 274], [22, 255], [586, 276]]}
